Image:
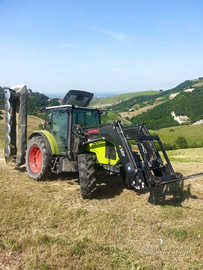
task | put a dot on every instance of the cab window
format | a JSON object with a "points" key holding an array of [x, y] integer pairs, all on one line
{"points": [[48, 119], [85, 117]]}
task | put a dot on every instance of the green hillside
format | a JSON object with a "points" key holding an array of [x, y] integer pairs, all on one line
{"points": [[125, 101], [111, 116], [186, 103], [198, 84], [142, 101], [192, 133], [184, 85]]}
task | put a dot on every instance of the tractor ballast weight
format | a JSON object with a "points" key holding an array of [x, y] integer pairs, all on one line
{"points": [[74, 140]]}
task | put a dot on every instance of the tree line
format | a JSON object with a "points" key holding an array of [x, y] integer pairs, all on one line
{"points": [[36, 102]]}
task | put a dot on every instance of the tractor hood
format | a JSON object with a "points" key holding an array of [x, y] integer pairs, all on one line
{"points": [[77, 97]]}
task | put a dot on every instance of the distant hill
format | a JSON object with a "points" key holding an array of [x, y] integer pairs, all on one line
{"points": [[185, 85], [123, 102], [140, 101], [155, 107], [113, 100], [188, 104]]}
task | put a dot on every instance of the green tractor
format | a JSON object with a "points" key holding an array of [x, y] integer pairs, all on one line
{"points": [[74, 140]]}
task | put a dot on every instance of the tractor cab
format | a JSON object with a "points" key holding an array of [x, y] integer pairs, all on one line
{"points": [[60, 120]]}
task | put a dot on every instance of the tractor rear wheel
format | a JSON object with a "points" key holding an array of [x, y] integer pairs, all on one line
{"points": [[38, 158], [87, 175]]}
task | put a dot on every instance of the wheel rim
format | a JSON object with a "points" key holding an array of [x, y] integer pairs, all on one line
{"points": [[35, 159]]}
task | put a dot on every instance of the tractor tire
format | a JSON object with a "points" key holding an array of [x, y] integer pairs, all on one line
{"points": [[38, 159], [87, 175]]}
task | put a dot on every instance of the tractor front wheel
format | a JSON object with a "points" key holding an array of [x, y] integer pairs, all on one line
{"points": [[38, 159], [87, 175]]}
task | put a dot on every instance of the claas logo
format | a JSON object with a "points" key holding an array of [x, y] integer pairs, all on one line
{"points": [[96, 130]]}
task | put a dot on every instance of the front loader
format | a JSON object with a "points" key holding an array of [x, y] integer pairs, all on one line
{"points": [[74, 140]]}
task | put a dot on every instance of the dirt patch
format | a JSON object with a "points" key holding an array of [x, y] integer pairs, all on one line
{"points": [[137, 112]]}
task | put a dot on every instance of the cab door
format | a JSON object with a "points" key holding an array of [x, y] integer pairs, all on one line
{"points": [[59, 128]]}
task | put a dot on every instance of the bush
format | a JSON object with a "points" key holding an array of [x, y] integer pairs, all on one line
{"points": [[167, 146], [181, 142], [127, 118]]}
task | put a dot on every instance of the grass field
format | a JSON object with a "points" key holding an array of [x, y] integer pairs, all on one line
{"points": [[46, 225], [33, 124], [132, 114], [192, 133], [197, 84]]}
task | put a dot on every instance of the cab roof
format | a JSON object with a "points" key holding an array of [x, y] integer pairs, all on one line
{"points": [[73, 106], [77, 97]]}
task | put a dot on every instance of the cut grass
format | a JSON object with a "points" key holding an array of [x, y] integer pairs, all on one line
{"points": [[186, 155], [46, 225]]}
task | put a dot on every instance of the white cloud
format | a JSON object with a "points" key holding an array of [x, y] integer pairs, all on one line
{"points": [[120, 37], [113, 69], [129, 39], [68, 45]]}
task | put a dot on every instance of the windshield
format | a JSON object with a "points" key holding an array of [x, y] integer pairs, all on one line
{"points": [[85, 117]]}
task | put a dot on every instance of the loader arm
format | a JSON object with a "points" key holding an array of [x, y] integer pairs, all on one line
{"points": [[152, 171]]}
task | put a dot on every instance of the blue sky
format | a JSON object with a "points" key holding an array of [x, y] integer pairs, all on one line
{"points": [[101, 46]]}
